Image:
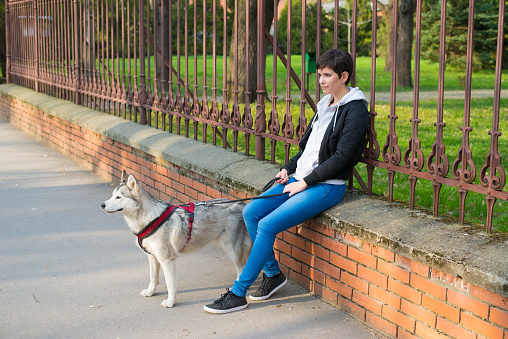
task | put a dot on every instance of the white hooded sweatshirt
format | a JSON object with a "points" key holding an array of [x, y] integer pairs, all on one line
{"points": [[309, 159]]}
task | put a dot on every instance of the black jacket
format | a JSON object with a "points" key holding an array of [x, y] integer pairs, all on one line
{"points": [[341, 147]]}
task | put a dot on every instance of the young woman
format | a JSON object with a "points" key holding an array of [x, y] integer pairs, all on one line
{"points": [[331, 147]]}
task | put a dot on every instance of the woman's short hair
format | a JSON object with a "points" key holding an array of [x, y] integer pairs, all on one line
{"points": [[338, 60]]}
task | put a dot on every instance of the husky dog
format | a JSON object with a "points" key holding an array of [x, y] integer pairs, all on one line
{"points": [[178, 234]]}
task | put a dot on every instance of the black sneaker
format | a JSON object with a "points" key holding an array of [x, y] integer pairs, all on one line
{"points": [[228, 302], [268, 286]]}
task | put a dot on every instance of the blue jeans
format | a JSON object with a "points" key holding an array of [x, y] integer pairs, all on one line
{"points": [[265, 218]]}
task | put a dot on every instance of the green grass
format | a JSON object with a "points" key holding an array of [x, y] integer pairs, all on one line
{"points": [[429, 75]]}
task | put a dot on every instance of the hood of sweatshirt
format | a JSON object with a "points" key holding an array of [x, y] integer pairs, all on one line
{"points": [[354, 94]]}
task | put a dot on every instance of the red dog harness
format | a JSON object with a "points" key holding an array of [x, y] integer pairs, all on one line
{"points": [[155, 224]]}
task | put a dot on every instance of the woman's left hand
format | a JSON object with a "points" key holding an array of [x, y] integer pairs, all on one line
{"points": [[295, 187]]}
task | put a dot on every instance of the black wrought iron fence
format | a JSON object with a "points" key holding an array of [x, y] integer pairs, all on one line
{"points": [[200, 67]]}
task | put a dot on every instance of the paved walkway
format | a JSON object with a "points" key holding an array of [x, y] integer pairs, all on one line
{"points": [[69, 270]]}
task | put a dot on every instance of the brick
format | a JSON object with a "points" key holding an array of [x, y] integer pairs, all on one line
{"points": [[373, 277], [480, 326], [454, 330], [349, 239], [282, 246], [399, 318], [419, 313], [334, 245], [499, 317], [444, 310], [320, 228], [393, 271], [426, 332], [362, 257], [428, 286], [314, 274], [489, 297], [329, 295], [385, 296], [343, 263], [403, 334], [302, 256], [339, 287], [381, 324], [467, 303], [301, 280], [354, 282], [290, 262], [327, 269], [383, 253], [450, 280], [367, 302], [309, 234], [351, 308], [318, 251], [403, 261], [420, 268], [405, 291], [294, 240]]}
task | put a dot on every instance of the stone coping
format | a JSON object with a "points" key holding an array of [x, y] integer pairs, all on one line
{"points": [[462, 251]]}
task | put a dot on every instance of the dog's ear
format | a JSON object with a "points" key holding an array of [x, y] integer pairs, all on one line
{"points": [[124, 177], [132, 183]]}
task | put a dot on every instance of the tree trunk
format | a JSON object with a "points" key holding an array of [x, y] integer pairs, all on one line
{"points": [[405, 42], [162, 70], [242, 49], [388, 15]]}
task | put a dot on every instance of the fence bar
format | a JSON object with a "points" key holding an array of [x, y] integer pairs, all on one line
{"points": [[413, 157], [260, 121], [437, 162], [372, 150], [492, 174], [464, 159], [391, 150], [8, 39]]}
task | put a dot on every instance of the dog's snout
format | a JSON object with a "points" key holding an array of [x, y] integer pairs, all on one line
{"points": [[103, 205]]}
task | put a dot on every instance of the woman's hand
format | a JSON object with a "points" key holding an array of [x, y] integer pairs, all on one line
{"points": [[283, 175], [295, 187]]}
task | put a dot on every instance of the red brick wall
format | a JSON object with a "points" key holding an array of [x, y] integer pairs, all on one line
{"points": [[398, 296]]}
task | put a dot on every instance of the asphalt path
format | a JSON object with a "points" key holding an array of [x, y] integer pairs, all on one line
{"points": [[70, 270]]}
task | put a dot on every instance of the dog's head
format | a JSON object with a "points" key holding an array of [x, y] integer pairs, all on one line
{"points": [[125, 197]]}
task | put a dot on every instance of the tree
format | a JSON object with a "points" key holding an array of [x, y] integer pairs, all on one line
{"points": [[485, 33], [242, 47], [405, 42], [405, 25]]}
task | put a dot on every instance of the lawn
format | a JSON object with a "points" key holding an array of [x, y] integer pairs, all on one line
{"points": [[428, 75]]}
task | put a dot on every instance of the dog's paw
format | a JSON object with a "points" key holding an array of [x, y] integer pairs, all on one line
{"points": [[148, 292], [167, 303]]}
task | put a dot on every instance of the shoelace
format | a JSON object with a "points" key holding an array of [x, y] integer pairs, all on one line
{"points": [[265, 283], [223, 297]]}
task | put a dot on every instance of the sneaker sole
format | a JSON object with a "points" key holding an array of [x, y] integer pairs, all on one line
{"points": [[215, 311], [269, 294]]}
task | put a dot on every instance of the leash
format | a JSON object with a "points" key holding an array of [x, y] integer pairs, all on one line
{"points": [[267, 186]]}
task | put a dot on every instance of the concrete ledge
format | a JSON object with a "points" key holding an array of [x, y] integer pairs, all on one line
{"points": [[460, 251]]}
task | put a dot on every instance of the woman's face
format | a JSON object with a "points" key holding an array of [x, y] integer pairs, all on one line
{"points": [[329, 80]]}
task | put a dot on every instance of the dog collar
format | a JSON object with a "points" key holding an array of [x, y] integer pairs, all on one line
{"points": [[155, 224]]}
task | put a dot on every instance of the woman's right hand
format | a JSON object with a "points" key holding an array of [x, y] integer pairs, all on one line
{"points": [[283, 175]]}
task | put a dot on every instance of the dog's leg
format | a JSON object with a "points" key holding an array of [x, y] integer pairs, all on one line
{"points": [[154, 276], [170, 276]]}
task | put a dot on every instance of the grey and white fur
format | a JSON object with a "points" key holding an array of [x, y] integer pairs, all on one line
{"points": [[215, 222]]}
